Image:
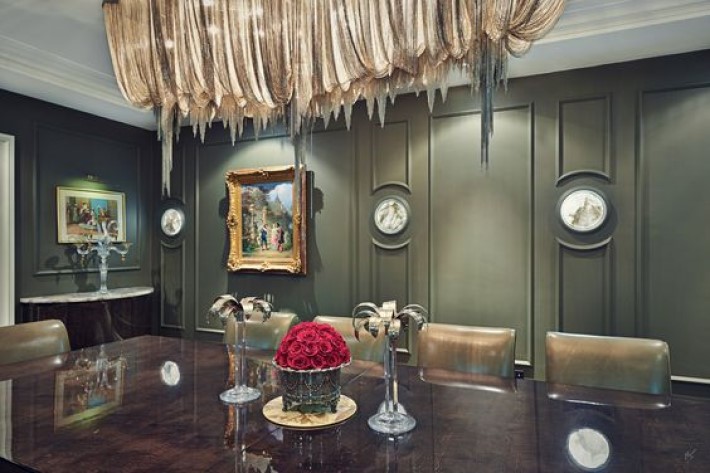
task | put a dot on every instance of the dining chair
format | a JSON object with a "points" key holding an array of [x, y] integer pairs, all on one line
{"points": [[30, 340], [263, 335], [367, 348], [640, 365], [486, 351]]}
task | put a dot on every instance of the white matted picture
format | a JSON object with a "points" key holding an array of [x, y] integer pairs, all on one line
{"points": [[583, 210], [85, 214]]}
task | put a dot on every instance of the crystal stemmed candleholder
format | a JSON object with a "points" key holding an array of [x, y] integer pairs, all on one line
{"points": [[102, 246], [392, 418], [236, 313]]}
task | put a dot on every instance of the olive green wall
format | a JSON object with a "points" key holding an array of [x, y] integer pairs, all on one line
{"points": [[485, 247], [57, 146]]}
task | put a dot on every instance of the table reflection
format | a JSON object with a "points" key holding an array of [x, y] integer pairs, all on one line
{"points": [[91, 389], [588, 449]]}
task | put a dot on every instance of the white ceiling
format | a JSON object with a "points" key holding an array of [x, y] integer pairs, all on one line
{"points": [[56, 50]]}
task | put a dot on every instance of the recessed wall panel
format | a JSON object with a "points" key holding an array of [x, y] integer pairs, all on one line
{"points": [[172, 270], [584, 129], [390, 155], [584, 287], [390, 278], [481, 223], [326, 289], [675, 252]]}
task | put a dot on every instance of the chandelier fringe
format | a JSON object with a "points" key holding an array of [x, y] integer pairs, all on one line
{"points": [[261, 59]]}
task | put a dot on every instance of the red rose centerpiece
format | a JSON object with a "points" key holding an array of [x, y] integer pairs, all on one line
{"points": [[309, 359]]}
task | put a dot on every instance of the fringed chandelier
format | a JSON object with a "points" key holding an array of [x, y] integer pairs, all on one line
{"points": [[298, 60]]}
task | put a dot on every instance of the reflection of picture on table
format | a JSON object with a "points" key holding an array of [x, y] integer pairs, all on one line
{"points": [[86, 393]]}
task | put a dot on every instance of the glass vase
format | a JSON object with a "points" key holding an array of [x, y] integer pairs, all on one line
{"points": [[240, 393], [391, 417]]}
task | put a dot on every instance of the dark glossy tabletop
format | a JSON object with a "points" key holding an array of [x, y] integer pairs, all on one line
{"points": [[143, 418]]}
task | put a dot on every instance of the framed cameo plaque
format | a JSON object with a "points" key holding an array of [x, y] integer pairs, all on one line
{"points": [[583, 210], [391, 215]]}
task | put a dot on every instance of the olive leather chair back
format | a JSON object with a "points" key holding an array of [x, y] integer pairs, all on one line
{"points": [[368, 348], [627, 364], [263, 335], [32, 340], [475, 350]]}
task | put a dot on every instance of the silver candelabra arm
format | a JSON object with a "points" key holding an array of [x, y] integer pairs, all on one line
{"points": [[103, 247]]}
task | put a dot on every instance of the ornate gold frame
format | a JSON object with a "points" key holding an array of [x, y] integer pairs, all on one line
{"points": [[293, 263]]}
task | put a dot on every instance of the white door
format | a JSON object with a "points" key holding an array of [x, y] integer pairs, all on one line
{"points": [[7, 230]]}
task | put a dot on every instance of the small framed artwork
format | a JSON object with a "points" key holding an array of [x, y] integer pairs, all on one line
{"points": [[583, 210], [266, 229], [88, 393], [85, 214]]}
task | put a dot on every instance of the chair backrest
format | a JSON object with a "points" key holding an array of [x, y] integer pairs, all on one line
{"points": [[478, 350], [368, 348], [263, 335], [32, 340], [626, 364]]}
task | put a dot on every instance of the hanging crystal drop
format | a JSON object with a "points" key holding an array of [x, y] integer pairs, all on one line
{"points": [[431, 97], [382, 107], [444, 88], [370, 101], [348, 111]]}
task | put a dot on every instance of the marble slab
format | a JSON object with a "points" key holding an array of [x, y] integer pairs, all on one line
{"points": [[119, 293]]}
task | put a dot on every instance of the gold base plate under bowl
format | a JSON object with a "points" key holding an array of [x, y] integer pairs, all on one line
{"points": [[274, 413]]}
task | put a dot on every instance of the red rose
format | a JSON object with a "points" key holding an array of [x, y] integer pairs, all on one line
{"points": [[319, 362], [309, 335], [299, 362], [295, 348], [332, 360], [282, 359], [325, 347], [310, 349]]}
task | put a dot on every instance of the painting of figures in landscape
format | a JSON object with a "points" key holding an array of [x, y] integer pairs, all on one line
{"points": [[267, 213], [87, 214], [264, 221]]}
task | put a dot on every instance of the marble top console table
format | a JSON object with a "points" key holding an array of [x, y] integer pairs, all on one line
{"points": [[93, 318]]}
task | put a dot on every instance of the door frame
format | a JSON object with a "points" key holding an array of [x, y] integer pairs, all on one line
{"points": [[7, 229]]}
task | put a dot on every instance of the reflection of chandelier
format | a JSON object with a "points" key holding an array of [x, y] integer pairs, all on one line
{"points": [[303, 59]]}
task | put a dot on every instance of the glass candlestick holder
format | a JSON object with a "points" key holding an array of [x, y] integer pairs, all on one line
{"points": [[391, 418], [234, 315]]}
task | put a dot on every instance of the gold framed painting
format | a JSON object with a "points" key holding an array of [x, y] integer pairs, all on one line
{"points": [[267, 232], [84, 214]]}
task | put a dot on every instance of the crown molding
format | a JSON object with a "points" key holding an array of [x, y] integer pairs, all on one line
{"points": [[583, 18], [37, 64]]}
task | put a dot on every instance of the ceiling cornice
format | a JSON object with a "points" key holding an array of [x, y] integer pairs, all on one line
{"points": [[38, 64], [584, 18]]}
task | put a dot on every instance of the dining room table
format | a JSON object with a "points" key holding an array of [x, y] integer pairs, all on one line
{"points": [[151, 404]]}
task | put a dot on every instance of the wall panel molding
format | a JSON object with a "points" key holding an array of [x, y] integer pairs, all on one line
{"points": [[136, 252], [484, 194], [388, 282], [671, 248], [578, 134], [171, 252], [577, 301], [391, 169]]}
